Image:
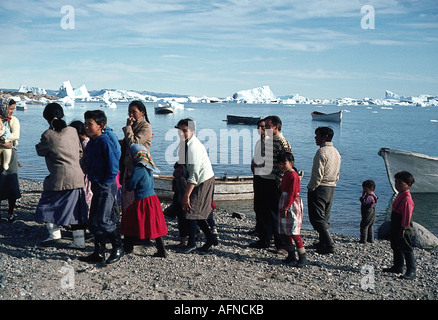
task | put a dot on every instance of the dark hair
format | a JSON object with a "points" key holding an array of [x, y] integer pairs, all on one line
{"points": [[285, 156], [276, 121], [406, 177], [79, 126], [370, 184], [325, 131], [12, 102], [97, 115], [260, 121], [188, 122], [54, 113], [141, 107]]}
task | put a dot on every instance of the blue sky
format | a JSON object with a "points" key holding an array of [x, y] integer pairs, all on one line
{"points": [[318, 49]]}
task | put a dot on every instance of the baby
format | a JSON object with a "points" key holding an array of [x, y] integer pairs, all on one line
{"points": [[6, 154]]}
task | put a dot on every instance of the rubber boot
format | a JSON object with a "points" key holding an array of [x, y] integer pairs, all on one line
{"points": [[161, 249], [327, 241], [410, 265], [363, 235], [211, 237], [98, 255], [302, 260], [291, 258], [54, 235], [117, 247], [78, 239], [398, 262], [370, 237]]}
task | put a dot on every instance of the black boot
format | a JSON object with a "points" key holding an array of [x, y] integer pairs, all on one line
{"points": [[117, 250], [410, 265], [99, 250], [398, 262], [161, 249], [128, 244], [211, 237], [291, 258], [302, 260], [327, 241]]}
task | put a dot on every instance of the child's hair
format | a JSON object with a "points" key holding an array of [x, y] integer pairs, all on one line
{"points": [[97, 115], [406, 177], [325, 131], [141, 107], [285, 156], [54, 113], [79, 126], [370, 184]]}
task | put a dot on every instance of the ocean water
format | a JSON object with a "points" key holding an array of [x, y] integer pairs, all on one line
{"points": [[363, 131]]}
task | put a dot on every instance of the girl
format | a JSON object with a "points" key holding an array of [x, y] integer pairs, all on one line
{"points": [[290, 210], [144, 218]]}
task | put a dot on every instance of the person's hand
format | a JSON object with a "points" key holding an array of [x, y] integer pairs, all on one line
{"points": [[130, 121], [7, 145], [185, 204]]}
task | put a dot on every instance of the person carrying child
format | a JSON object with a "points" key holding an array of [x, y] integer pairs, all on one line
{"points": [[290, 210], [144, 218], [401, 227], [102, 167], [368, 202]]}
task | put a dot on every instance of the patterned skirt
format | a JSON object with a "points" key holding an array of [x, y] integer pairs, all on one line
{"points": [[291, 225]]}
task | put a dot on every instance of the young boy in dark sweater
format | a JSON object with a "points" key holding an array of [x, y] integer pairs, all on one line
{"points": [[102, 167]]}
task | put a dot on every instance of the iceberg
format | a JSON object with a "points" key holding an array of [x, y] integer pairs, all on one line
{"points": [[256, 95], [36, 90], [66, 90]]}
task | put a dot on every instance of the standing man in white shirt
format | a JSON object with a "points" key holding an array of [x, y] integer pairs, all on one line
{"points": [[321, 187]]}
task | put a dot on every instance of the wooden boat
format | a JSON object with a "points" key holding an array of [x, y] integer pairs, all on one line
{"points": [[423, 167], [21, 105], [331, 117], [225, 188], [163, 109], [243, 120]]}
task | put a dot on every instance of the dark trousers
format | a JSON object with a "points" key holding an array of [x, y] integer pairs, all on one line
{"points": [[192, 229], [104, 216], [320, 202], [266, 207], [367, 223]]}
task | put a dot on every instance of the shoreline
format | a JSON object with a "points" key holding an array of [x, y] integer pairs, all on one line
{"points": [[229, 271]]}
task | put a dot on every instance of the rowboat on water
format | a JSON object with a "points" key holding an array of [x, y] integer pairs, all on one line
{"points": [[331, 117], [225, 188], [163, 109], [243, 120], [423, 167]]}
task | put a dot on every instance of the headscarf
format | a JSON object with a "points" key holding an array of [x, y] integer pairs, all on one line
{"points": [[140, 154], [4, 106]]}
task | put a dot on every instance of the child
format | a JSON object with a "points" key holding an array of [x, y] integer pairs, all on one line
{"points": [[368, 202], [143, 219], [5, 133], [102, 167], [290, 210], [401, 230]]}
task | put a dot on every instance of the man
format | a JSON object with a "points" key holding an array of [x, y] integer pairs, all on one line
{"points": [[321, 187], [268, 193]]}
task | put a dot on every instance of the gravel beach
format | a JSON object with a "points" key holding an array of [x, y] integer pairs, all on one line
{"points": [[229, 271]]}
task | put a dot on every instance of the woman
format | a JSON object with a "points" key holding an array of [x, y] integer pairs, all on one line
{"points": [[138, 130], [63, 199], [197, 201], [9, 187]]}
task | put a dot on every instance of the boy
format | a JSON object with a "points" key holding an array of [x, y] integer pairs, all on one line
{"points": [[368, 202], [401, 230], [321, 187], [102, 167]]}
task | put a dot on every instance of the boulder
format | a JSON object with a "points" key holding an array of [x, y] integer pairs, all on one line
{"points": [[423, 239]]}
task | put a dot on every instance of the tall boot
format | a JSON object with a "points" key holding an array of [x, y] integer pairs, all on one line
{"points": [[128, 244], [291, 258], [398, 262], [363, 235], [302, 260], [370, 237], [99, 250], [161, 250], [54, 235], [78, 239], [117, 244], [327, 241], [410, 265], [211, 237]]}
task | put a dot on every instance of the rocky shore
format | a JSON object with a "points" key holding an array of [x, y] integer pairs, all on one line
{"points": [[229, 271]]}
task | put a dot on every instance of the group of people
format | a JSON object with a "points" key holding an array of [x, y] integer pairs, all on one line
{"points": [[279, 208], [89, 167]]}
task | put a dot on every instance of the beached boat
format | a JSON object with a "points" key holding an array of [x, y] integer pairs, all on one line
{"points": [[331, 117], [21, 105], [164, 109], [225, 188], [423, 167], [243, 120]]}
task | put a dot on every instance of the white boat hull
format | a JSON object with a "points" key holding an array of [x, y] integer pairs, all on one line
{"points": [[423, 167], [233, 188]]}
